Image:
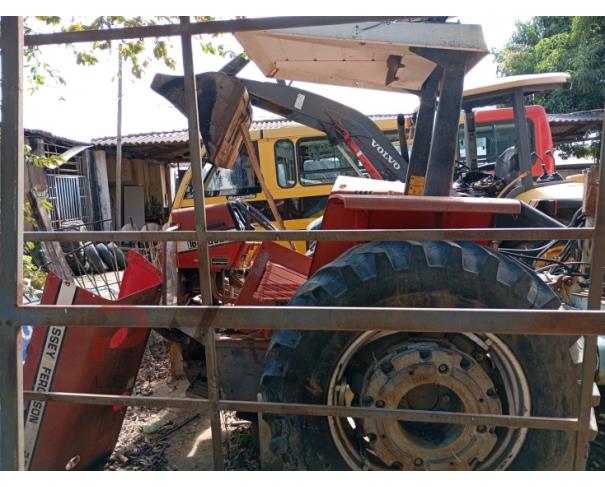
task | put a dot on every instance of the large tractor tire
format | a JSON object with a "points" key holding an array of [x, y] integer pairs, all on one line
{"points": [[456, 372]]}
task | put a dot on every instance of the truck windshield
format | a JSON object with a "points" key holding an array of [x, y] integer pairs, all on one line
{"points": [[240, 180]]}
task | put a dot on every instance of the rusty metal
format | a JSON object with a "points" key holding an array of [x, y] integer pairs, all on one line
{"points": [[11, 241], [561, 424], [211, 27], [497, 321], [572, 323], [595, 294], [325, 235], [195, 150]]}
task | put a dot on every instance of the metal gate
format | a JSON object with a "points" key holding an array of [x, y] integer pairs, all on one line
{"points": [[208, 318], [67, 195]]}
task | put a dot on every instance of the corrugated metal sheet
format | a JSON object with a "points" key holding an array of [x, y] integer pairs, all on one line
{"points": [[181, 136], [589, 116], [573, 127]]}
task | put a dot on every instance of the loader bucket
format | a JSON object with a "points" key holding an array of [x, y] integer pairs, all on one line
{"points": [[84, 359], [223, 107]]}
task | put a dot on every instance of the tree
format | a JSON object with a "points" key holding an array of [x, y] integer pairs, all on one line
{"points": [[135, 54], [132, 51], [572, 44]]}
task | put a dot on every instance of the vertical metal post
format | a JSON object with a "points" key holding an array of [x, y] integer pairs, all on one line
{"points": [[522, 134], [423, 134], [11, 243], [200, 228], [118, 205], [470, 139], [403, 141], [440, 169], [595, 293]]}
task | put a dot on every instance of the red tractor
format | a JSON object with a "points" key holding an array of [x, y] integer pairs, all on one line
{"points": [[455, 372]]}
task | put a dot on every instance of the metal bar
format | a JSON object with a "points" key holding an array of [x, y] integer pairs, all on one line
{"points": [[595, 293], [537, 422], [464, 234], [470, 139], [243, 130], [211, 27], [195, 150], [118, 224], [500, 321], [423, 133], [117, 400], [522, 134], [402, 136], [440, 168], [11, 242]]}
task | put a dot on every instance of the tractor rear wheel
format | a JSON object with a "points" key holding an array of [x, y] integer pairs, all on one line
{"points": [[455, 372]]}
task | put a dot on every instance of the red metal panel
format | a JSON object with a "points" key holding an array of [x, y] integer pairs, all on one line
{"points": [[276, 273], [385, 212], [228, 255], [80, 359], [430, 203], [218, 217], [278, 284]]}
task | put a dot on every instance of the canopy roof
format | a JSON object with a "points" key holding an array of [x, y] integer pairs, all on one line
{"points": [[500, 90], [361, 55]]}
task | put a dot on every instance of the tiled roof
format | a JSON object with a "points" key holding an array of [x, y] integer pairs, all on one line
{"points": [[47, 136], [181, 136]]}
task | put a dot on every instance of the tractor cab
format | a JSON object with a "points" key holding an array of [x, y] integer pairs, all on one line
{"points": [[519, 159]]}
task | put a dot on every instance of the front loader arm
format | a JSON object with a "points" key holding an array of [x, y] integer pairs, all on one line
{"points": [[342, 124], [220, 93]]}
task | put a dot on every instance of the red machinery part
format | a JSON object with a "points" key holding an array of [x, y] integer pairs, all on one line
{"points": [[84, 359]]}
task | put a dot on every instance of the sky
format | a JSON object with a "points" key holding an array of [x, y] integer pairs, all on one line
{"points": [[86, 107]]}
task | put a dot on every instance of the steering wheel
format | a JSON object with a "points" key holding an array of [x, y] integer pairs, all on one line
{"points": [[244, 214]]}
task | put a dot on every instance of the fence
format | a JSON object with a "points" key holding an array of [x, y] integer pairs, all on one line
{"points": [[207, 318]]}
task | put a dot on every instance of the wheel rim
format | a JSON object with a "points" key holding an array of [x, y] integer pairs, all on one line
{"points": [[456, 373]]}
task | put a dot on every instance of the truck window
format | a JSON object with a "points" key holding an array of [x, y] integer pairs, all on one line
{"points": [[285, 164], [240, 180], [320, 162], [493, 139]]}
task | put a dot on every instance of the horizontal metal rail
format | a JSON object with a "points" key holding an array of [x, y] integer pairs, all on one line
{"points": [[323, 235], [509, 421], [497, 321], [209, 27], [529, 322]]}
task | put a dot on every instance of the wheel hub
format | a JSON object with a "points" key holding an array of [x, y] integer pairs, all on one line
{"points": [[429, 376]]}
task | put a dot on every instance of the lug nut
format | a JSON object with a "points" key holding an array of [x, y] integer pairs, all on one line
{"points": [[386, 367], [443, 368], [425, 354], [446, 399], [367, 401], [418, 462], [479, 356], [380, 403]]}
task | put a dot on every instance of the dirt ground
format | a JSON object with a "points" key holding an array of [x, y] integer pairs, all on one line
{"points": [[176, 439]]}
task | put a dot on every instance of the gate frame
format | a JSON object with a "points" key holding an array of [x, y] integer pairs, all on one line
{"points": [[205, 319]]}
